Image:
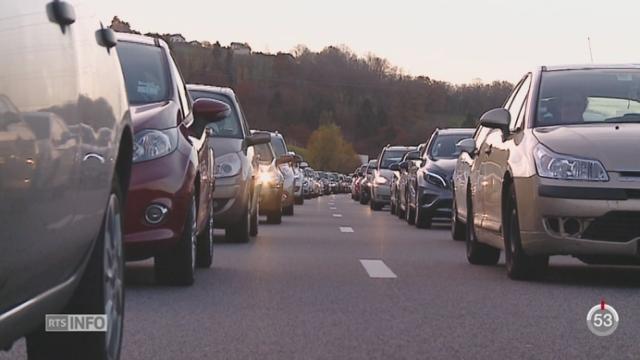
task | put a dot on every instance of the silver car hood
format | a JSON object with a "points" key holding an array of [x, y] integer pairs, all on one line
{"points": [[617, 146], [386, 173]]}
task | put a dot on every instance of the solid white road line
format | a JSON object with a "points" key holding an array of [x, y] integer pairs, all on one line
{"points": [[377, 269], [346, 229], [337, 215]]}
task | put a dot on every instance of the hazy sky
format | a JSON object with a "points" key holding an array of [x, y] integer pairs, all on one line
{"points": [[448, 40]]}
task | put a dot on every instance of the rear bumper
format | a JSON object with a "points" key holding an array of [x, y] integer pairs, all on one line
{"points": [[560, 218], [167, 181]]}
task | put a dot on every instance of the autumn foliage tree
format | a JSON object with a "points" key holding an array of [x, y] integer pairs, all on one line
{"points": [[328, 150]]}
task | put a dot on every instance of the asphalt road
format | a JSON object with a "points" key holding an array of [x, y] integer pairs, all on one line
{"points": [[300, 291]]}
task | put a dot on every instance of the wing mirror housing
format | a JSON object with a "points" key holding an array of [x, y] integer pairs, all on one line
{"points": [[413, 155], [467, 145], [257, 138], [496, 119], [394, 167], [210, 110], [287, 158]]}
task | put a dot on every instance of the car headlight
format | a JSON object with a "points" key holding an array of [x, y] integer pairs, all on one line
{"points": [[227, 165], [381, 180], [566, 167], [154, 144], [435, 179]]}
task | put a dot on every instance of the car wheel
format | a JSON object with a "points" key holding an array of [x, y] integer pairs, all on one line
{"points": [[177, 266], [288, 210], [520, 266], [478, 253], [100, 291], [253, 226], [457, 227], [422, 220], [410, 214], [240, 232], [392, 206], [299, 200], [363, 199], [275, 216], [204, 251]]}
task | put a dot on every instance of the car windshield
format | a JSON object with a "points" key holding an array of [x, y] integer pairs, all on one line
{"points": [[391, 156], [146, 74], [265, 153], [578, 97], [278, 146], [227, 128], [444, 146]]}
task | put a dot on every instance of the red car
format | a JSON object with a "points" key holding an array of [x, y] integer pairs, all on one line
{"points": [[169, 210]]}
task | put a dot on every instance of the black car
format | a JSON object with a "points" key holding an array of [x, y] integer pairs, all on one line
{"points": [[66, 144], [429, 185]]}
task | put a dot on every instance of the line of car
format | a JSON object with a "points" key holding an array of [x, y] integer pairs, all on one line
{"points": [[554, 171], [107, 156]]}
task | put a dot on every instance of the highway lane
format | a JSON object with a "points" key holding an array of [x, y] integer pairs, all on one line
{"points": [[309, 289]]}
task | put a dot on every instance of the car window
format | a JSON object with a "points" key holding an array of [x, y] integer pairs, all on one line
{"points": [[279, 146], [589, 96], [444, 146], [145, 73], [227, 128], [518, 101], [390, 157], [265, 153]]}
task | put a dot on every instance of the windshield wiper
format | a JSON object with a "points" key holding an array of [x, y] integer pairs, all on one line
{"points": [[626, 118]]}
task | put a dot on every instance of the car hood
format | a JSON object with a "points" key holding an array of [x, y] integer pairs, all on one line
{"points": [[615, 145], [442, 166], [223, 145], [161, 115], [386, 173]]}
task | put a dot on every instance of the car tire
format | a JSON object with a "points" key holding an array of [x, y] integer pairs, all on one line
{"points": [[204, 251], [392, 207], [275, 217], [519, 265], [253, 222], [422, 220], [363, 199], [177, 266], [457, 227], [100, 291], [374, 205], [241, 232], [299, 200], [288, 210], [410, 214], [478, 253]]}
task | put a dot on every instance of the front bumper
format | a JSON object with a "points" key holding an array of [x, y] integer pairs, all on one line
{"points": [[381, 194], [166, 181], [270, 199], [230, 199], [435, 202], [561, 218]]}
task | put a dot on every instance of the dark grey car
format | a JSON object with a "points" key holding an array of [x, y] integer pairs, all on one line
{"points": [[429, 186], [65, 160], [237, 192]]}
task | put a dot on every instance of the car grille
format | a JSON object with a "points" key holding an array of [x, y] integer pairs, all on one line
{"points": [[616, 226], [633, 194]]}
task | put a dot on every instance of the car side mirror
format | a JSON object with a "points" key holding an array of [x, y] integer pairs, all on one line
{"points": [[287, 158], [467, 145], [394, 167], [257, 138], [496, 119], [413, 155], [210, 110]]}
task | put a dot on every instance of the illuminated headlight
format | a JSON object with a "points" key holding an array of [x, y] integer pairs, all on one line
{"points": [[227, 165], [435, 179], [566, 167], [154, 144], [380, 180]]}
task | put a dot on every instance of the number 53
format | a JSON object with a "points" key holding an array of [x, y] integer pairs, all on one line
{"points": [[603, 319]]}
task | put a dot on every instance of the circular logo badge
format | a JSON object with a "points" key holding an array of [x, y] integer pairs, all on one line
{"points": [[602, 319]]}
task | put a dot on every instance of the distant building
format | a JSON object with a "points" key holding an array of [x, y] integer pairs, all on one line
{"points": [[177, 38], [240, 48], [121, 26]]}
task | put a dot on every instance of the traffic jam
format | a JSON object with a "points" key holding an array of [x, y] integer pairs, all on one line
{"points": [[113, 168]]}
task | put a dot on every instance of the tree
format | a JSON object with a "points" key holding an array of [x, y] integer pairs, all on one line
{"points": [[328, 150]]}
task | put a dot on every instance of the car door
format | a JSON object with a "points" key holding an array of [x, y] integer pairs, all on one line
{"points": [[39, 148], [495, 164]]}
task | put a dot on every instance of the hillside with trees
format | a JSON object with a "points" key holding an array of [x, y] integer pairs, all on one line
{"points": [[371, 101]]}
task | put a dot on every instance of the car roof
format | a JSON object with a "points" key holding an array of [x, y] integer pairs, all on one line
{"points": [[141, 39], [589, 67], [400, 147], [212, 89], [456, 131]]}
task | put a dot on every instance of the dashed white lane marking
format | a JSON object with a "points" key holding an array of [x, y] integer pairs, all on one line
{"points": [[346, 229], [333, 208], [377, 269], [337, 215]]}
